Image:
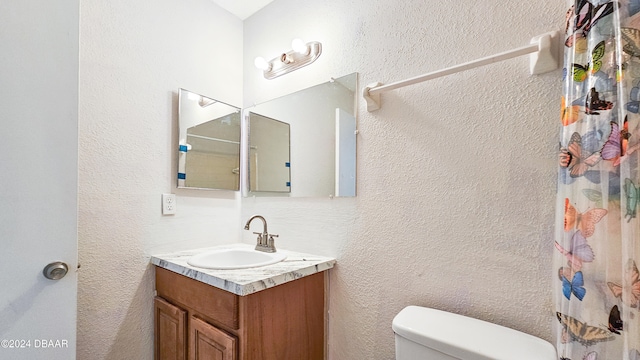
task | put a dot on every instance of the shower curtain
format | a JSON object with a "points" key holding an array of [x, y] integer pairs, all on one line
{"points": [[597, 244]]}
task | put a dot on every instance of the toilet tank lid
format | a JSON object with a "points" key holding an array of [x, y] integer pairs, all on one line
{"points": [[468, 338]]}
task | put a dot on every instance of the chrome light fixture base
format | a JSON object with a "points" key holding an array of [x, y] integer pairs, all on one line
{"points": [[292, 60]]}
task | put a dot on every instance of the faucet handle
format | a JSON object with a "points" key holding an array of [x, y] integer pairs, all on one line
{"points": [[259, 239], [270, 242]]}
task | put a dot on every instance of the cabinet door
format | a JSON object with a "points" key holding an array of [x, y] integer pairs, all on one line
{"points": [[208, 342], [170, 331]]}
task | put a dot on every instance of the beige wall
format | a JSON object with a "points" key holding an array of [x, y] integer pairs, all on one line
{"points": [[213, 171]]}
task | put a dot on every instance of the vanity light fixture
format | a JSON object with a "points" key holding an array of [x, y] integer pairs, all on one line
{"points": [[301, 55]]}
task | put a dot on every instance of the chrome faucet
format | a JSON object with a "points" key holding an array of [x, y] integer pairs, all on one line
{"points": [[265, 240]]}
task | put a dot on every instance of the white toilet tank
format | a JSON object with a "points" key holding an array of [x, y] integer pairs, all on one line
{"points": [[430, 334]]}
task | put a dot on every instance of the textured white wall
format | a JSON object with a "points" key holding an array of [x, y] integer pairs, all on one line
{"points": [[134, 56], [456, 176]]}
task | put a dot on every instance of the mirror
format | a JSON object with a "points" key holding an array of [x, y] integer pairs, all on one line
{"points": [[268, 154], [209, 143], [321, 124]]}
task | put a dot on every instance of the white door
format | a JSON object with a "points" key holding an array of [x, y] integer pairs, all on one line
{"points": [[38, 177]]}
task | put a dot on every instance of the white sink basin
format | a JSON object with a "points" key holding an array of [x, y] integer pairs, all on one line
{"points": [[227, 259]]}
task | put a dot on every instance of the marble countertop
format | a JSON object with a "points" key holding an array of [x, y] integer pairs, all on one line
{"points": [[245, 281]]}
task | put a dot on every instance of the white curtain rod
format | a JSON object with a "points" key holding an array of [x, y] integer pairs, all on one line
{"points": [[544, 58]]}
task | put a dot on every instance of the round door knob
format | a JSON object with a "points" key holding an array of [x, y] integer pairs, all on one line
{"points": [[55, 271]]}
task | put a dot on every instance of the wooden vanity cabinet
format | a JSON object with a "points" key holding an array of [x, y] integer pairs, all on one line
{"points": [[196, 321], [170, 331]]}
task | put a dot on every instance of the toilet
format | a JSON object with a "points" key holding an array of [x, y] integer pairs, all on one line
{"points": [[430, 334]]}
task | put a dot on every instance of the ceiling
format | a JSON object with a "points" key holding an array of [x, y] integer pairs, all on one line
{"points": [[242, 8]]}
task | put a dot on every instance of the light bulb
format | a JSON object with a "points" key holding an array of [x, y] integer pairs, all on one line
{"points": [[261, 63], [299, 46]]}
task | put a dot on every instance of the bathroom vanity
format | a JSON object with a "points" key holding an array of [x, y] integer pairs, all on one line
{"points": [[271, 312]]}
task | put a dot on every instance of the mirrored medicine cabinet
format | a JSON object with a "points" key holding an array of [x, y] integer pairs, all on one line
{"points": [[299, 145], [208, 143]]}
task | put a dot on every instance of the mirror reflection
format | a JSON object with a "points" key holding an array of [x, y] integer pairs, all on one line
{"points": [[268, 154], [322, 125], [209, 143]]}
